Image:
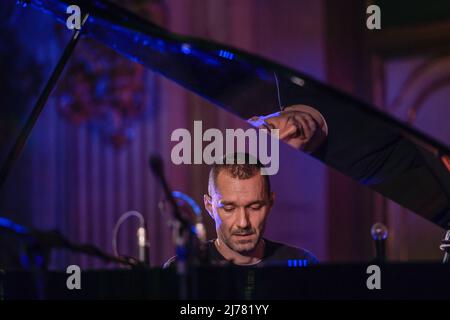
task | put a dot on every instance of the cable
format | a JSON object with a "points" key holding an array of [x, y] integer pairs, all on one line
{"points": [[278, 91], [189, 201], [119, 222], [199, 228]]}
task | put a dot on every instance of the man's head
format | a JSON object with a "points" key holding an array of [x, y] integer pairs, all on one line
{"points": [[239, 200]]}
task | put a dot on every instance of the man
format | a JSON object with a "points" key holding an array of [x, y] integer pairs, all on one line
{"points": [[239, 201]]}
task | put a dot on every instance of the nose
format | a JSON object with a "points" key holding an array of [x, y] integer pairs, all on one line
{"points": [[242, 219]]}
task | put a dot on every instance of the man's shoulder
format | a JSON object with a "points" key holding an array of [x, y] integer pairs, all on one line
{"points": [[278, 251]]}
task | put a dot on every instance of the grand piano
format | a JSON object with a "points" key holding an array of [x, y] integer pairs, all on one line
{"points": [[400, 162]]}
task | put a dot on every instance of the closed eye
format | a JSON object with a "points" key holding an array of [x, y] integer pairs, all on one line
{"points": [[258, 207]]}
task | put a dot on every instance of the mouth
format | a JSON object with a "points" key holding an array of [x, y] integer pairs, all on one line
{"points": [[243, 236]]}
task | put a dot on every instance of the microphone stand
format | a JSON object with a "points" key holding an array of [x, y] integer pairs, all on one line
{"points": [[182, 229], [40, 243]]}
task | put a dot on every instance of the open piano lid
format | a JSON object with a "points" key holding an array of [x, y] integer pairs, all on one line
{"points": [[371, 147]]}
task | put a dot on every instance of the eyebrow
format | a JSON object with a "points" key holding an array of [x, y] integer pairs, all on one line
{"points": [[261, 202], [227, 203]]}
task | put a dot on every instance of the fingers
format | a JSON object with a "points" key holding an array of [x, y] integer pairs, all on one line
{"points": [[308, 124], [311, 122], [300, 126], [291, 130]]}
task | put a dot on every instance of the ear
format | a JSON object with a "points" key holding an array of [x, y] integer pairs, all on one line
{"points": [[208, 204]]}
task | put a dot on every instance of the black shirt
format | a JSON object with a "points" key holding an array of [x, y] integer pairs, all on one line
{"points": [[275, 254]]}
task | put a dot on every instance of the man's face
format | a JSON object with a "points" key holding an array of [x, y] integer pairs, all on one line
{"points": [[239, 209], [296, 128]]}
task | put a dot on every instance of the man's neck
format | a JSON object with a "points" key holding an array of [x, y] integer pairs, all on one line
{"points": [[253, 257]]}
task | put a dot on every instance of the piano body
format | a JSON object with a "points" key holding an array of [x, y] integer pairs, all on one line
{"points": [[400, 163]]}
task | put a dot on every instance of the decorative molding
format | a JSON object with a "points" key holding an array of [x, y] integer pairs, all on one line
{"points": [[425, 79], [409, 40]]}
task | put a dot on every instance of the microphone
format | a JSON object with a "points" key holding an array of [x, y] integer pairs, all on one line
{"points": [[142, 245], [199, 228], [445, 246], [156, 165], [379, 234]]}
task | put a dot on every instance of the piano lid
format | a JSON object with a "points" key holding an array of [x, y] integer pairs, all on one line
{"points": [[373, 148]]}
